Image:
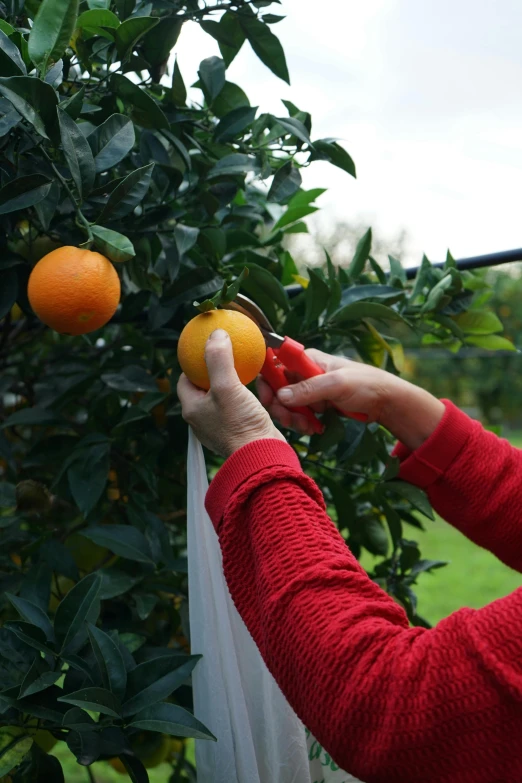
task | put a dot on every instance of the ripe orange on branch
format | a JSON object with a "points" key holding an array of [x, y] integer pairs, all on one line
{"points": [[74, 291], [248, 345]]}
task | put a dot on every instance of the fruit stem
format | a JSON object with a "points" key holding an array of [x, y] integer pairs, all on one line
{"points": [[81, 217]]}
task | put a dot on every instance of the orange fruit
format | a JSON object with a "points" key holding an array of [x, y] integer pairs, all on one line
{"points": [[248, 345], [74, 291]]}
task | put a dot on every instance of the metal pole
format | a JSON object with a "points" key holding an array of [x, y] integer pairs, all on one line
{"points": [[477, 262], [474, 262]]}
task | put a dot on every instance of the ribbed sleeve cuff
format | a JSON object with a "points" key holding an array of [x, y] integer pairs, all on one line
{"points": [[431, 460], [244, 463]]}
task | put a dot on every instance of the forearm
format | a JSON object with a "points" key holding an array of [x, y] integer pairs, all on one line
{"points": [[474, 481], [410, 413], [385, 700]]}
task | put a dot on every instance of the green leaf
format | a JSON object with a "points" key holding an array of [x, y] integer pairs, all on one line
{"points": [[362, 253], [136, 96], [114, 583], [130, 379], [172, 720], [286, 183], [31, 635], [36, 681], [396, 269], [233, 164], [33, 614], [95, 700], [34, 99], [112, 244], [385, 293], [234, 123], [228, 33], [15, 744], [212, 75], [491, 342], [51, 31], [231, 97], [8, 121], [123, 540], [266, 45], [185, 238], [304, 197], [78, 719], [178, 91], [11, 63], [234, 288], [263, 280], [374, 536], [110, 661], [32, 417], [73, 105], [316, 297], [479, 322], [111, 141], [6, 28], [85, 746], [23, 192], [158, 44], [87, 475], [327, 149], [77, 153], [417, 497], [74, 610], [295, 128], [128, 194], [46, 209], [358, 310], [129, 33], [293, 214], [96, 18], [142, 693]]}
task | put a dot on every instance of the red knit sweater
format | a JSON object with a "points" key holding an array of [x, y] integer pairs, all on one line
{"points": [[392, 704]]}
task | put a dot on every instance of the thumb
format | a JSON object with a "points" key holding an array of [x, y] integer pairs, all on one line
{"points": [[219, 359], [329, 386]]}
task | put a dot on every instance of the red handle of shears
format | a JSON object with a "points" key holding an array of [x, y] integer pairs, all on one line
{"points": [[273, 372], [292, 355]]}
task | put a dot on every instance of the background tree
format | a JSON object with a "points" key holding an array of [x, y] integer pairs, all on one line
{"points": [[100, 148]]}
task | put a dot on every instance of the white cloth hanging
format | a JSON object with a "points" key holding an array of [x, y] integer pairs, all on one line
{"points": [[260, 738]]}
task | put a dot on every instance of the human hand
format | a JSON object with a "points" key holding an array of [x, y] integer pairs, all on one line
{"points": [[228, 416], [410, 413]]}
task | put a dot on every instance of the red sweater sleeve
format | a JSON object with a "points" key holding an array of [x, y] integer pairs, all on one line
{"points": [[474, 481], [391, 704]]}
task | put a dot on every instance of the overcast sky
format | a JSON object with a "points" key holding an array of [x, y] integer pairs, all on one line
{"points": [[426, 95]]}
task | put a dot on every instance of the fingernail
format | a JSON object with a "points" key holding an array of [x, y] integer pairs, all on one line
{"points": [[285, 394], [219, 334]]}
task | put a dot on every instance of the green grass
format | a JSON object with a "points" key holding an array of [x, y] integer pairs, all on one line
{"points": [[103, 773]]}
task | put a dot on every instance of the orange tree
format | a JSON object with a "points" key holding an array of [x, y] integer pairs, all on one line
{"points": [[100, 148]]}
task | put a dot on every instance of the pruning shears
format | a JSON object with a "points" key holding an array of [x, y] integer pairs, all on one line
{"points": [[284, 354]]}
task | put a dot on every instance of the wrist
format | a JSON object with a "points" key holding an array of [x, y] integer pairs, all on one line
{"points": [[238, 441], [412, 414]]}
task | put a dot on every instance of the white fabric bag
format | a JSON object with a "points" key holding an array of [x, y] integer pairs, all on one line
{"points": [[260, 739]]}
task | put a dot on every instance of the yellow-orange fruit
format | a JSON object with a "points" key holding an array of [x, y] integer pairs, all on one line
{"points": [[74, 291], [248, 345]]}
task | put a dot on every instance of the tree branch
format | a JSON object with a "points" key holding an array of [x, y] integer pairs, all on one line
{"points": [[81, 217]]}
